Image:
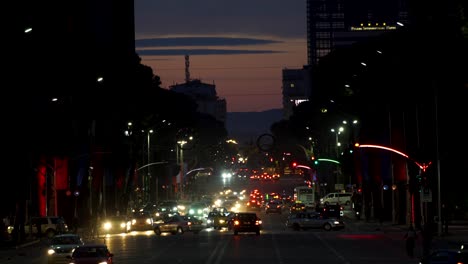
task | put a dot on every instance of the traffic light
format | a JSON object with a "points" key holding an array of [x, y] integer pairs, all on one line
{"points": [[316, 162], [294, 164]]}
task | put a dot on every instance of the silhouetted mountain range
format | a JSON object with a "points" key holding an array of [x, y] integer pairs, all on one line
{"points": [[248, 126]]}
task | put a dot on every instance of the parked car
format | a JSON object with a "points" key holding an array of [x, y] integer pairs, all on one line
{"points": [[91, 254], [61, 246], [308, 220], [49, 226], [246, 222], [446, 256]]}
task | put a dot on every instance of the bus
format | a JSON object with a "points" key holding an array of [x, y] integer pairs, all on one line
{"points": [[306, 195]]}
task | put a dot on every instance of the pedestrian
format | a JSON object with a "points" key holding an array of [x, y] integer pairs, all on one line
{"points": [[410, 238], [444, 219], [75, 224]]}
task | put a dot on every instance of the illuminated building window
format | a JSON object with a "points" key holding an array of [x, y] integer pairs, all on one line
{"points": [[292, 85]]}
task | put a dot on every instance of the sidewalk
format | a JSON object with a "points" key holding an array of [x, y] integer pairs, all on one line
{"points": [[9, 250], [457, 235]]}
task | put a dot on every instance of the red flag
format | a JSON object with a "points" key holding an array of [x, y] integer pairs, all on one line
{"points": [[61, 173]]}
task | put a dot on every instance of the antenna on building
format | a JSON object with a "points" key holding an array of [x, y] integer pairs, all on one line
{"points": [[187, 71]]}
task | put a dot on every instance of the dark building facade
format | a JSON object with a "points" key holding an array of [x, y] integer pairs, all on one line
{"points": [[336, 23], [67, 55]]}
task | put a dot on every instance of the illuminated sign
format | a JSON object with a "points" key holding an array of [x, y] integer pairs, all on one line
{"points": [[370, 27]]}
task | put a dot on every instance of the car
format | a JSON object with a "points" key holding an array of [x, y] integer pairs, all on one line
{"points": [[246, 222], [93, 253], [254, 204], [199, 209], [273, 207], [308, 220], [336, 198], [195, 224], [141, 221], [49, 226], [61, 246], [217, 220], [175, 224], [297, 207], [115, 225], [446, 256], [333, 210]]}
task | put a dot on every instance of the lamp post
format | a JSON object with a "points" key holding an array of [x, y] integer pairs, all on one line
{"points": [[182, 180], [338, 144], [147, 179]]}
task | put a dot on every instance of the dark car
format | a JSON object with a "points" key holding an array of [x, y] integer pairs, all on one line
{"points": [[61, 246], [116, 225], [195, 224], [297, 207], [246, 222], [91, 254], [273, 207], [333, 210], [446, 256], [141, 221]]}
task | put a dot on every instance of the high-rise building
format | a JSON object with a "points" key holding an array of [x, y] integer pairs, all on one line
{"points": [[338, 23], [296, 89]]}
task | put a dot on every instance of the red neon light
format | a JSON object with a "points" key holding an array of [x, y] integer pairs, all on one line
{"points": [[303, 166], [421, 166], [386, 148]]}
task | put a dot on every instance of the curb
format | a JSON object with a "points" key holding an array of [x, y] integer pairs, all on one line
{"points": [[27, 244]]}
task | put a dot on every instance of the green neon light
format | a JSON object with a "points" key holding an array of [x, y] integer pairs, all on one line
{"points": [[330, 160]]}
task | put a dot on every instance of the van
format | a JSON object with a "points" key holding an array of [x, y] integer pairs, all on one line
{"points": [[334, 198]]}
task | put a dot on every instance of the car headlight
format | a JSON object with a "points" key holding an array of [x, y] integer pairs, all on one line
{"points": [[107, 225], [336, 222], [191, 211], [104, 262], [123, 225], [148, 221], [50, 252]]}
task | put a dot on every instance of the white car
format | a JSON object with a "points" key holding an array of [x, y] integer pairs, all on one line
{"points": [[61, 246]]}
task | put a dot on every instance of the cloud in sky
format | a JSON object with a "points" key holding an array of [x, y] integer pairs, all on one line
{"points": [[201, 41], [144, 46], [175, 52], [282, 18]]}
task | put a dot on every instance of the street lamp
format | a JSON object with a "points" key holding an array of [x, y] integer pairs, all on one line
{"points": [[338, 144], [147, 179], [181, 145]]}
